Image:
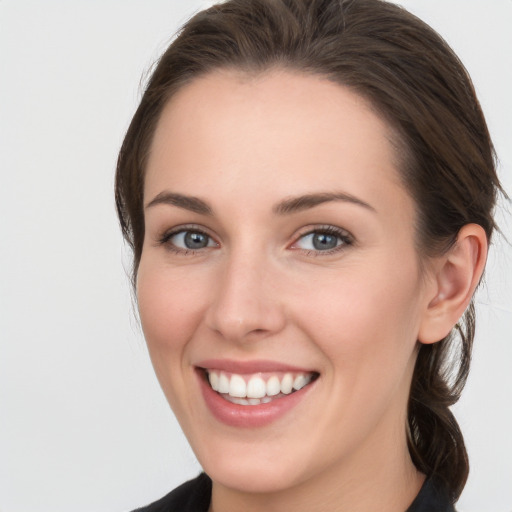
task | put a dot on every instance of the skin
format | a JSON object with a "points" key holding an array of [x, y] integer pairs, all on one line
{"points": [[259, 290]]}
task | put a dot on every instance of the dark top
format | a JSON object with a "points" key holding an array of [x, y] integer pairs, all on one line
{"points": [[194, 496]]}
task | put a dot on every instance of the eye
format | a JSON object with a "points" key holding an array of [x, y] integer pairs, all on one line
{"points": [[186, 240], [326, 239]]}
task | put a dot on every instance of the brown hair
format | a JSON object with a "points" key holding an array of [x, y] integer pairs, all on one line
{"points": [[446, 159]]}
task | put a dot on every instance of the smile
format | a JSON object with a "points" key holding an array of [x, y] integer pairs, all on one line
{"points": [[258, 388], [253, 394]]}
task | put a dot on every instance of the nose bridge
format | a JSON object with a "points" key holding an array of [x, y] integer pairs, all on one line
{"points": [[244, 305]]}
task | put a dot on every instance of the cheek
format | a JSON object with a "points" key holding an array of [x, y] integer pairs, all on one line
{"points": [[365, 317], [366, 328], [171, 305]]}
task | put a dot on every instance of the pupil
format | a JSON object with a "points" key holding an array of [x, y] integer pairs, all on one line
{"points": [[195, 240], [324, 242]]}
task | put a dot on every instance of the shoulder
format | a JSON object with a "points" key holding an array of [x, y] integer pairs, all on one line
{"points": [[192, 496], [432, 498]]}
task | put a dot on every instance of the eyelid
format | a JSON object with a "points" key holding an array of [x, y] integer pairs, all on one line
{"points": [[347, 239], [165, 237]]}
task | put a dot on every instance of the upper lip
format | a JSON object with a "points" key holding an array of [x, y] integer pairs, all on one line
{"points": [[254, 366]]}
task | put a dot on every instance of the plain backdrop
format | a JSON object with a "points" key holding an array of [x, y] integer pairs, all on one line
{"points": [[84, 426]]}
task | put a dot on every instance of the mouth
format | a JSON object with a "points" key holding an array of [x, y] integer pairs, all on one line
{"points": [[253, 394], [257, 388]]}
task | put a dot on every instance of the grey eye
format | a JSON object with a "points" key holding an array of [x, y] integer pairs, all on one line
{"points": [[323, 241], [318, 241], [195, 240], [191, 240]]}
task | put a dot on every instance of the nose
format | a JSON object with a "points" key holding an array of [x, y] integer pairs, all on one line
{"points": [[245, 303]]}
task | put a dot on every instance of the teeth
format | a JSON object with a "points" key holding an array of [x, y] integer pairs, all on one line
{"points": [[255, 391], [213, 377], [223, 383], [256, 388], [237, 387], [238, 401], [299, 382], [287, 384], [273, 386]]}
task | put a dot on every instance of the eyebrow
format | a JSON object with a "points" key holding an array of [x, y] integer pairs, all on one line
{"points": [[286, 207], [300, 203], [193, 204]]}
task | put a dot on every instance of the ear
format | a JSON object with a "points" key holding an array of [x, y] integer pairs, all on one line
{"points": [[456, 275]]}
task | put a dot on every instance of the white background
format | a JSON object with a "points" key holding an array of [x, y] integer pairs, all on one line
{"points": [[83, 423]]}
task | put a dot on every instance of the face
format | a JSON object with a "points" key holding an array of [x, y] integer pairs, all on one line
{"points": [[279, 287]]}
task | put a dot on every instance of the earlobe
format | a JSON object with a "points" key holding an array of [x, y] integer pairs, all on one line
{"points": [[457, 275]]}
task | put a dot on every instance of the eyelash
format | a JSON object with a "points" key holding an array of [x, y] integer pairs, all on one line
{"points": [[344, 237], [165, 239]]}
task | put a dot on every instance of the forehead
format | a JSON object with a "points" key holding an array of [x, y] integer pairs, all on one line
{"points": [[279, 132]]}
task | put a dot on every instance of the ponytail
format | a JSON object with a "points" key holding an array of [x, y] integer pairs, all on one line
{"points": [[435, 440]]}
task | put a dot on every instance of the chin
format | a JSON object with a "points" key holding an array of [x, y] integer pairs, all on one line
{"points": [[263, 466], [261, 477]]}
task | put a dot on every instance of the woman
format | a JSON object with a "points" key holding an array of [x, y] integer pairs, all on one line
{"points": [[308, 188]]}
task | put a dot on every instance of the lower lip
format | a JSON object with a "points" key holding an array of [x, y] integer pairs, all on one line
{"points": [[249, 416]]}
